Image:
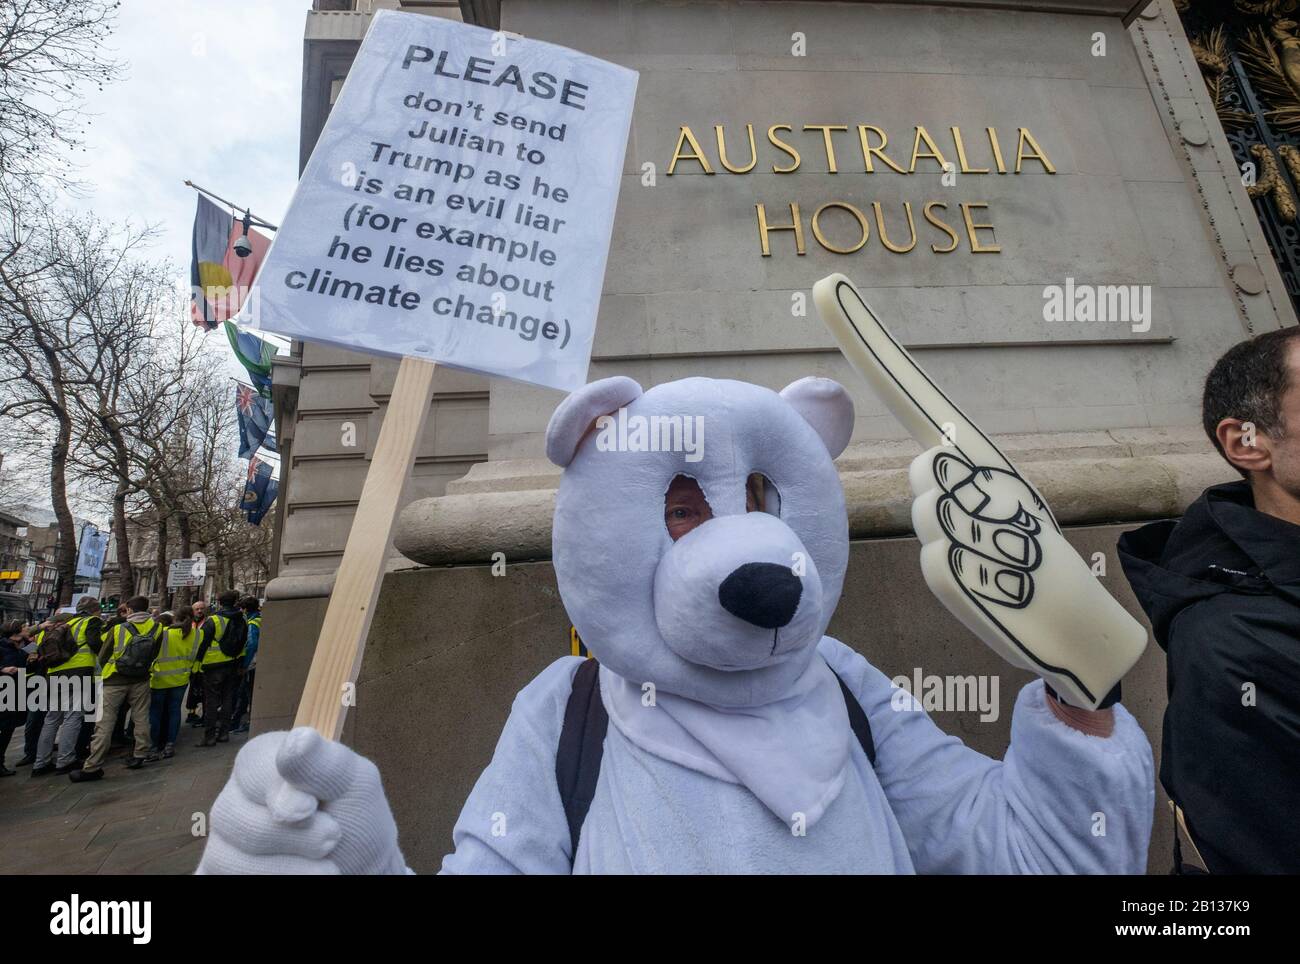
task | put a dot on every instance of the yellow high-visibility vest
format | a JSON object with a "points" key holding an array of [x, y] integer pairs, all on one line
{"points": [[120, 636], [214, 655], [175, 657], [85, 654], [255, 621]]}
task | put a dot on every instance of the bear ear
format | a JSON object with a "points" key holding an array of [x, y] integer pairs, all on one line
{"points": [[826, 406], [576, 413]]}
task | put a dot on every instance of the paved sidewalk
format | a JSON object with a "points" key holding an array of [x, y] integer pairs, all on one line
{"points": [[130, 822]]}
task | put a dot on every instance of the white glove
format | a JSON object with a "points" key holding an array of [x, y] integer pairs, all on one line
{"points": [[297, 803]]}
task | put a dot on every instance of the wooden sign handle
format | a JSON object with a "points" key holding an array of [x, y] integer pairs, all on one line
{"points": [[342, 639]]}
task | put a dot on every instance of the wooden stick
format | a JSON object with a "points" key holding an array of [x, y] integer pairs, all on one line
{"points": [[342, 639]]}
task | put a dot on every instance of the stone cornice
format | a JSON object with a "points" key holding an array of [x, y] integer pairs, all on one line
{"points": [[487, 13], [1121, 475]]}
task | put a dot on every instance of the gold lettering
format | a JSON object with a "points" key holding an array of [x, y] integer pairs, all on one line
{"points": [[972, 227], [695, 154], [942, 227], [777, 142], [1037, 152], [764, 228], [997, 150], [868, 150], [722, 150], [923, 134], [961, 154], [880, 227], [826, 140], [821, 239]]}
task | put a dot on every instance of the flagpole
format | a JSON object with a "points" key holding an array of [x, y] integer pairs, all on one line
{"points": [[253, 219]]}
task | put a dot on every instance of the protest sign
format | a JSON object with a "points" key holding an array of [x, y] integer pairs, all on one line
{"points": [[457, 206], [186, 572]]}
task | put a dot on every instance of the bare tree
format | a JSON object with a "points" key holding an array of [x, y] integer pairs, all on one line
{"points": [[194, 477], [50, 50], [136, 390], [21, 483], [53, 268]]}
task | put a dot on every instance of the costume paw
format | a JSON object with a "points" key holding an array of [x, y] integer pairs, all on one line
{"points": [[297, 803]]}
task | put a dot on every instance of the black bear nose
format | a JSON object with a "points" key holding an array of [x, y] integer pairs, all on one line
{"points": [[761, 593]]}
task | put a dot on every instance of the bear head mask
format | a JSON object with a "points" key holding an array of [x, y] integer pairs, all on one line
{"points": [[729, 611]]}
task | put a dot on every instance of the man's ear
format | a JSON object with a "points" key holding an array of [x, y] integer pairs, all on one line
{"points": [[575, 415], [826, 406], [1244, 445]]}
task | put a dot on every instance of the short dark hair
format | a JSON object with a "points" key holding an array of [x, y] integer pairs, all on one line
{"points": [[250, 604], [228, 597], [1248, 383], [138, 604]]}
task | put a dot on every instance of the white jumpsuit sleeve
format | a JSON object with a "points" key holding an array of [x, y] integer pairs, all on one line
{"points": [[513, 820], [1059, 802]]}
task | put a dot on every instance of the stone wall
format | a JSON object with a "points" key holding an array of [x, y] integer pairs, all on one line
{"points": [[688, 292]]}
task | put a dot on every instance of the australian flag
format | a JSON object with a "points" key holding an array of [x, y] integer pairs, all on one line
{"points": [[255, 414], [259, 490]]}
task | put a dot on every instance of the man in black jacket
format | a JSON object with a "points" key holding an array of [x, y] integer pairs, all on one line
{"points": [[221, 644], [1222, 590]]}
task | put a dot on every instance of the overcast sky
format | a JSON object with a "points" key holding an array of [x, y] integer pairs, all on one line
{"points": [[211, 93]]}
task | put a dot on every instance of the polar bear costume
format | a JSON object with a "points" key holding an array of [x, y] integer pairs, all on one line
{"points": [[729, 746]]}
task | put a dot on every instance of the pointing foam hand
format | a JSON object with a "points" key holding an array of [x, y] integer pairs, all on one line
{"points": [[991, 550]]}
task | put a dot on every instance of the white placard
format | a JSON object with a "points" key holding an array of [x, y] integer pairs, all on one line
{"points": [[186, 572], [90, 555], [458, 204]]}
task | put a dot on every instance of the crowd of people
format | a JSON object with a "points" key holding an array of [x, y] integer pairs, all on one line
{"points": [[126, 680]]}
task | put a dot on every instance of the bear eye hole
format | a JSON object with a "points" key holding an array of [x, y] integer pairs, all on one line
{"points": [[761, 495], [685, 506]]}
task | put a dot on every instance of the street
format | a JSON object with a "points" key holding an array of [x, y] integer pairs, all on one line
{"points": [[131, 822]]}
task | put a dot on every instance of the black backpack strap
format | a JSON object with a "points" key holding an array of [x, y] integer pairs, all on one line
{"points": [[582, 743], [858, 721]]}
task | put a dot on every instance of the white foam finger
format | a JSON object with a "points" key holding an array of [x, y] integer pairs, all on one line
{"points": [[910, 394], [1002, 545], [925, 517], [987, 579], [920, 474]]}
